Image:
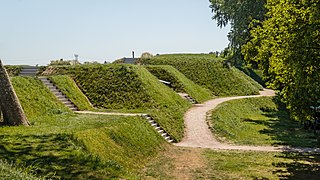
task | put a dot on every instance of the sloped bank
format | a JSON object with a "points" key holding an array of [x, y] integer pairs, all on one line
{"points": [[210, 72]]}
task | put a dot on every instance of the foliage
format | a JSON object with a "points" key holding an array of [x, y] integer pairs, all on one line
{"points": [[36, 99], [71, 90], [258, 121], [239, 14], [13, 70], [146, 55], [209, 72], [179, 82], [63, 62], [286, 46]]}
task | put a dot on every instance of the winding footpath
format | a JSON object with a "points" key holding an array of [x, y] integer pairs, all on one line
{"points": [[198, 134]]}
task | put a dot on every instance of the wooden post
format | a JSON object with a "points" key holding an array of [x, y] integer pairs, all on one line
{"points": [[12, 111]]}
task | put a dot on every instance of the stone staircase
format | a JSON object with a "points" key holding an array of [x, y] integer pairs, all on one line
{"points": [[188, 97], [29, 71], [157, 127], [55, 90]]}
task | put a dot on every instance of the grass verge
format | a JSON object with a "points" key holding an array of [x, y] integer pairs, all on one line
{"points": [[258, 121]]}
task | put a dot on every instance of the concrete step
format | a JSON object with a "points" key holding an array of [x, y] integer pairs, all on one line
{"points": [[70, 105], [73, 109], [160, 131], [164, 134], [154, 125], [170, 141]]}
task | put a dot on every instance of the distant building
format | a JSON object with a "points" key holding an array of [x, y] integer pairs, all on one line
{"points": [[129, 60]]}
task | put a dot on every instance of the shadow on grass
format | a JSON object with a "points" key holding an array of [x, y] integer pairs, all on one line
{"points": [[301, 166], [54, 156], [290, 133], [285, 131]]}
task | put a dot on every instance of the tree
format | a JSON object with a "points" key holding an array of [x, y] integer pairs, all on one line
{"points": [[287, 47], [240, 14], [9, 103]]}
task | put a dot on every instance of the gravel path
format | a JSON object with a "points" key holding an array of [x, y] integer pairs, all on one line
{"points": [[198, 134]]}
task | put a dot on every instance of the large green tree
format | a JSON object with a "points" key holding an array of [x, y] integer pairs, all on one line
{"points": [[239, 14], [287, 47]]}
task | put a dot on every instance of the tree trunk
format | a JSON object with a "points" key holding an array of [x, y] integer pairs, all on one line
{"points": [[12, 111]]}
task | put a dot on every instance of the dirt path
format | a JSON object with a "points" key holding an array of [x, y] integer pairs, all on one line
{"points": [[198, 134]]}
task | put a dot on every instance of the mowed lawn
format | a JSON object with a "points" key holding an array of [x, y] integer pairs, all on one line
{"points": [[258, 121]]}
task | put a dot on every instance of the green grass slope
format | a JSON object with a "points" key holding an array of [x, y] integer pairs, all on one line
{"points": [[36, 99], [209, 72], [129, 87], [63, 145], [179, 82], [258, 121], [71, 90]]}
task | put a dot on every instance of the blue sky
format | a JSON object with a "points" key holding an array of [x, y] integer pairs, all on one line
{"points": [[37, 31]]}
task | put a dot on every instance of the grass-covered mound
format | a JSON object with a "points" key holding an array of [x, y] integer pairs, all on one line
{"points": [[63, 145], [179, 82], [36, 99], [258, 121], [81, 146], [129, 87], [71, 90], [210, 72]]}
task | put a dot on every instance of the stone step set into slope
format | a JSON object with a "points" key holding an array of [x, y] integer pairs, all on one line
{"points": [[157, 127], [184, 95], [29, 71], [188, 97], [55, 90]]}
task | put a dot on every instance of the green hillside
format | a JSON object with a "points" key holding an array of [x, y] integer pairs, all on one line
{"points": [[129, 87], [63, 145], [71, 90], [179, 82], [210, 72], [36, 99]]}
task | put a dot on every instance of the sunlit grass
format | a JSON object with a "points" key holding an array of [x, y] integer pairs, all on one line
{"points": [[258, 121]]}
